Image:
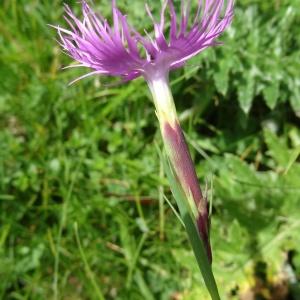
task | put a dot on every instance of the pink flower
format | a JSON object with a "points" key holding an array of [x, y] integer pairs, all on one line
{"points": [[113, 49]]}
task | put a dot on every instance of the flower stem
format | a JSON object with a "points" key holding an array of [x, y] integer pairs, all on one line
{"points": [[194, 210], [179, 155]]}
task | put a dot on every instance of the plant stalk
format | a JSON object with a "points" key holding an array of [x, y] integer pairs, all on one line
{"points": [[183, 179], [179, 155]]}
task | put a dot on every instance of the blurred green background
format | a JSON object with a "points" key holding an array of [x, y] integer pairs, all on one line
{"points": [[82, 189]]}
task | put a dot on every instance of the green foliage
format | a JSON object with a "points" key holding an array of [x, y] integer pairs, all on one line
{"points": [[82, 209], [260, 58]]}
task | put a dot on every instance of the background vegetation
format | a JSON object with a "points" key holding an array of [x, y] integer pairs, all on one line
{"points": [[82, 190]]}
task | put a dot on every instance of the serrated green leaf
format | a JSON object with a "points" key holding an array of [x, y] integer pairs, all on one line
{"points": [[295, 101], [271, 94], [277, 148], [246, 93], [221, 76]]}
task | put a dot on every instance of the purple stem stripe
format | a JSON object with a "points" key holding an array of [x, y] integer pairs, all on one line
{"points": [[182, 163]]}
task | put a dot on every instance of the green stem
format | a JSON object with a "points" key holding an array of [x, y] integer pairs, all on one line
{"points": [[193, 234], [183, 179]]}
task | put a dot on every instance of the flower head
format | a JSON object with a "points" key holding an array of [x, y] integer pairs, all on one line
{"points": [[113, 49]]}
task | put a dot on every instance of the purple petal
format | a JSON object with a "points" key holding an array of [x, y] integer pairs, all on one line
{"points": [[211, 19], [110, 50], [113, 49]]}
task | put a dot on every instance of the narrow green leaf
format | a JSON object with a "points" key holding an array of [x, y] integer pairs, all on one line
{"points": [[87, 267], [144, 289], [174, 211]]}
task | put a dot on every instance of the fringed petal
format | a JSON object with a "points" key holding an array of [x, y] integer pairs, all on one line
{"points": [[211, 19], [109, 50], [113, 50]]}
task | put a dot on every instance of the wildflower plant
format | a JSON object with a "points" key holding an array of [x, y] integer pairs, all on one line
{"points": [[115, 50]]}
